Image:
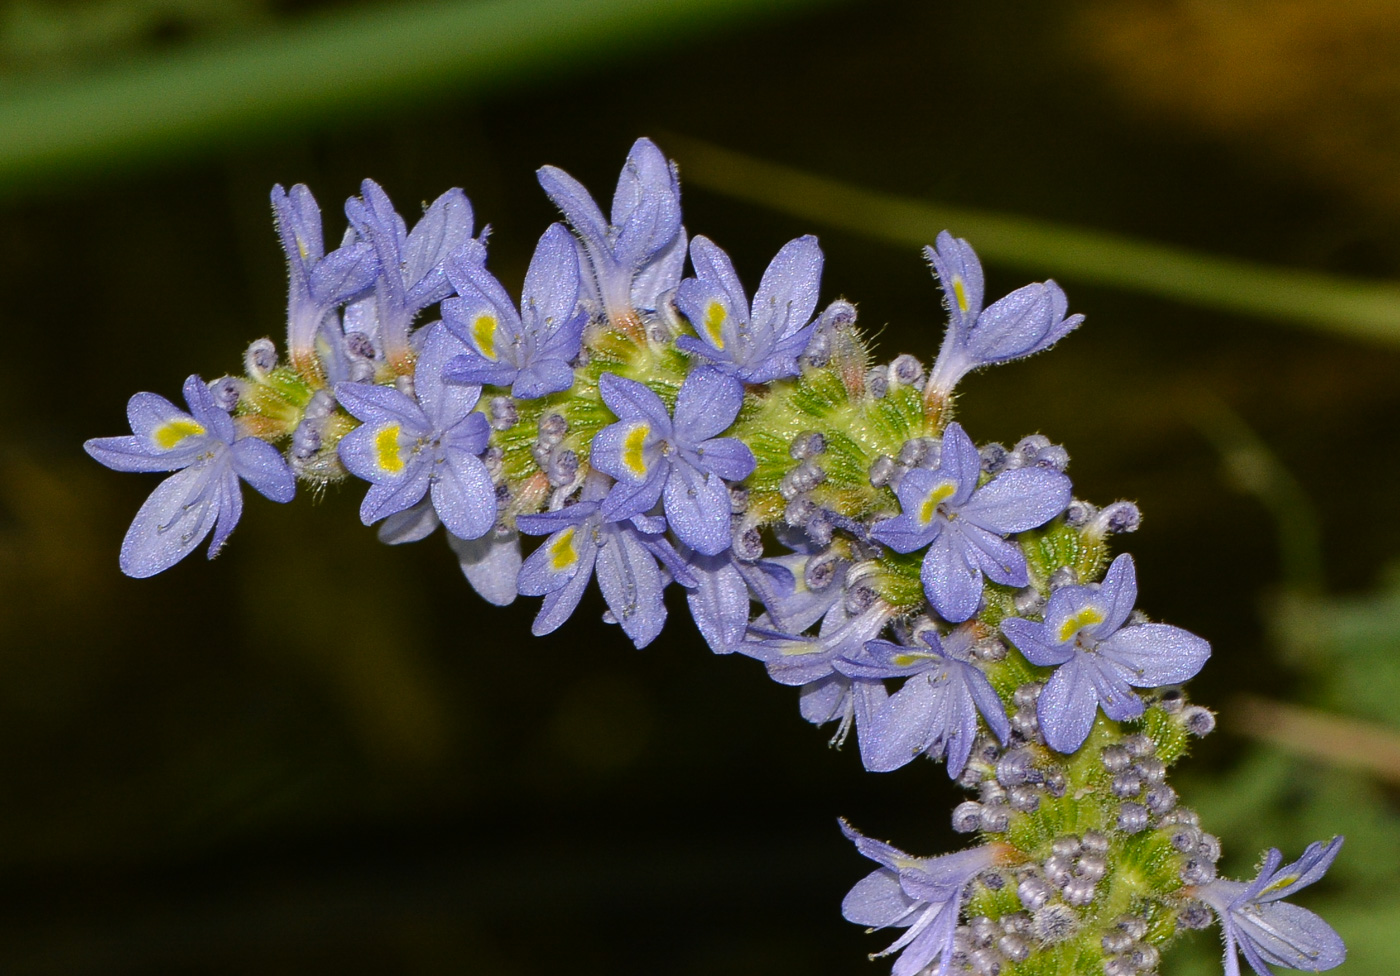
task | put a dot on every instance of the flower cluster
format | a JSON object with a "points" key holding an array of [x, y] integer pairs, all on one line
{"points": [[824, 515]]}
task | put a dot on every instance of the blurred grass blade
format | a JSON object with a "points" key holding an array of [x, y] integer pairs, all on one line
{"points": [[336, 65], [1334, 739], [1329, 302]]}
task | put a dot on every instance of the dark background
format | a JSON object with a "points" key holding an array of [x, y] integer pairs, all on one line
{"points": [[322, 754]]}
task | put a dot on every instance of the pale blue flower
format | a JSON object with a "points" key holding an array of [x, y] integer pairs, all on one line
{"points": [[209, 458], [1269, 931], [922, 895], [935, 712], [682, 460], [1027, 321], [530, 351], [633, 260], [963, 525], [408, 447], [756, 346], [1097, 658]]}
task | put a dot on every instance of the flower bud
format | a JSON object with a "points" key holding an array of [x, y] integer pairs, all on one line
{"points": [[877, 382], [226, 391], [1116, 758], [1014, 947], [1132, 817], [1054, 923], [967, 817], [1197, 720], [807, 444], [1113, 519], [1034, 892], [738, 499], [993, 457], [1160, 799], [359, 345], [502, 413], [906, 370], [820, 570], [562, 467], [260, 358], [748, 541], [882, 469]]}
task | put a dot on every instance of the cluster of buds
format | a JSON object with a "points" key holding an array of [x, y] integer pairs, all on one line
{"points": [[825, 515]]}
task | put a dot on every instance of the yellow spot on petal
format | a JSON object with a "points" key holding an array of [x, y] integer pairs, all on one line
{"points": [[905, 660], [634, 450], [715, 317], [386, 446], [1084, 618], [960, 293], [168, 435], [940, 494], [484, 332], [562, 553], [1283, 881]]}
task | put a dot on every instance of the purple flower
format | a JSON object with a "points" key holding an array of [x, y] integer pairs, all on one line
{"points": [[1268, 930], [936, 710], [1027, 321], [963, 525], [623, 554], [632, 261], [411, 264], [490, 562], [680, 460], [719, 600], [407, 448], [317, 282], [208, 457], [529, 351], [810, 662], [922, 895], [758, 346], [1096, 658]]}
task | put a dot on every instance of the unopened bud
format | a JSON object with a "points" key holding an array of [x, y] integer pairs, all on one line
{"points": [[1132, 817], [1028, 600], [1079, 513], [1209, 847], [306, 440], [1025, 799], [502, 413], [877, 383], [1079, 892], [799, 510], [1034, 892], [1195, 916], [1126, 784], [993, 457], [552, 429], [820, 571], [738, 499], [1053, 458], [985, 962], [881, 470], [359, 345], [1134, 925], [989, 649], [226, 390], [807, 444], [1054, 923], [1116, 758], [820, 527], [1014, 947], [260, 358], [967, 817], [1197, 871], [995, 819], [1115, 518], [1197, 720], [562, 467], [906, 370], [748, 541], [1139, 745], [404, 384]]}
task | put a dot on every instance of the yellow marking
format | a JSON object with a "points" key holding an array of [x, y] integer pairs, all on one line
{"points": [[562, 554], [1084, 618], [633, 448], [905, 660], [806, 647], [169, 434], [939, 495], [715, 317], [1278, 885], [960, 293], [484, 332], [386, 443]]}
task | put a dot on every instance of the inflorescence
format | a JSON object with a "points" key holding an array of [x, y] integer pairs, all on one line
{"points": [[935, 597]]}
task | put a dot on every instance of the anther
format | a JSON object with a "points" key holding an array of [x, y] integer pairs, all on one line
{"points": [[748, 541], [738, 499], [359, 345]]}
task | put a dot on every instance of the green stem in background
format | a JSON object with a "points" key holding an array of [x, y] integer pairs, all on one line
{"points": [[333, 67], [1330, 303]]}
